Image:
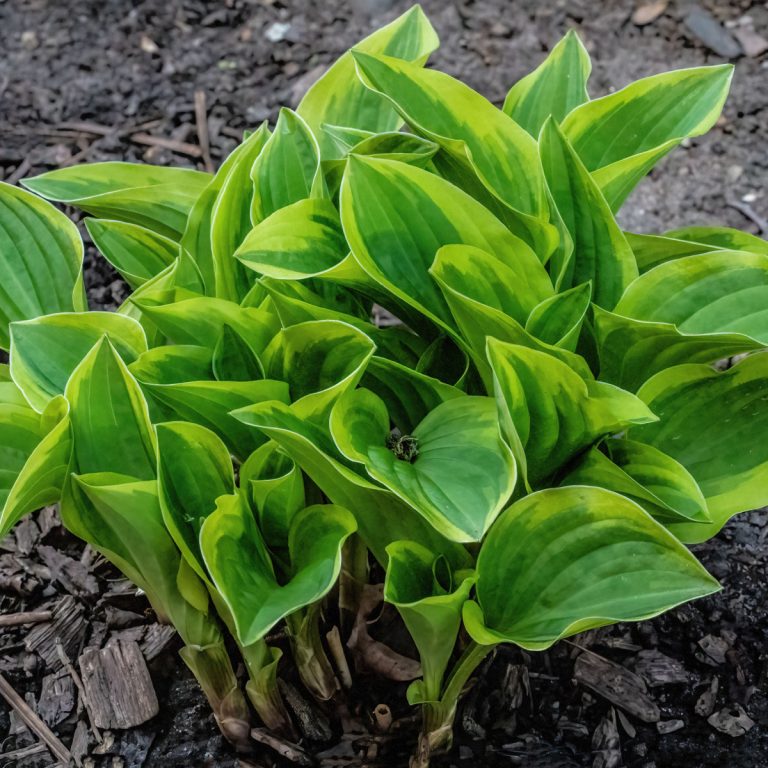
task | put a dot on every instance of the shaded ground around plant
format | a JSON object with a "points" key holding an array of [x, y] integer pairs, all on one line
{"points": [[89, 80]]}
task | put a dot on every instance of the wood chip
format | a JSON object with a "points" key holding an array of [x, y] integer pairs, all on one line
{"points": [[292, 752], [657, 669], [28, 617], [649, 12], [118, 686], [156, 639], [616, 684], [714, 649], [732, 721], [70, 573], [665, 727], [705, 704], [57, 697], [68, 625], [606, 743]]}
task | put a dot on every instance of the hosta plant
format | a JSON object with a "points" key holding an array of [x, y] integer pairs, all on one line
{"points": [[524, 451]]}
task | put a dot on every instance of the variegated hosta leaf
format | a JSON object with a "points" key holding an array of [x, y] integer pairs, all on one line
{"points": [[339, 98], [194, 468], [548, 413], [235, 197], [234, 359], [41, 260], [378, 198], [478, 137], [647, 476], [453, 468], [179, 381], [35, 451], [189, 319], [652, 250], [319, 360], [621, 136], [429, 597], [381, 516], [45, 351], [721, 238], [631, 351], [137, 253], [554, 88], [565, 560], [601, 253], [274, 486], [478, 304], [288, 168], [558, 319], [712, 423], [151, 196], [239, 563]]}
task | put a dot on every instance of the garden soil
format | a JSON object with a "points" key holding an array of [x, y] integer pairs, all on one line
{"points": [[92, 80]]}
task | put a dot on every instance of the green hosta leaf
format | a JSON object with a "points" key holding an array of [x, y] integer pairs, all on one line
{"points": [[205, 402], [274, 485], [397, 249], [631, 351], [35, 450], [189, 319], [288, 168], [554, 88], [565, 560], [339, 98], [558, 319], [601, 253], [729, 463], [453, 468], [110, 418], [421, 587], [137, 253], [721, 238], [319, 360], [41, 259], [238, 561], [382, 518], [642, 473], [343, 137], [197, 239], [409, 395], [478, 138], [298, 241], [151, 196], [652, 250], [548, 413], [46, 350], [194, 468], [621, 136], [233, 358], [172, 363], [478, 307]]}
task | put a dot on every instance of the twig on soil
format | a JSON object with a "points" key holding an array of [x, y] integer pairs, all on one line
{"points": [[180, 147], [203, 136], [80, 687], [20, 172], [29, 617], [15, 755], [747, 211], [285, 749], [34, 723]]}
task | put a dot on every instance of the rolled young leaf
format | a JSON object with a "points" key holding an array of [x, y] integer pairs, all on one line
{"points": [[729, 463], [339, 98], [41, 260], [601, 253], [565, 560], [558, 319], [548, 413], [554, 88]]}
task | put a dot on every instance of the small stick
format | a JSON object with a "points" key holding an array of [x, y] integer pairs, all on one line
{"points": [[80, 687], [285, 749], [30, 617], [749, 213], [34, 723], [181, 147], [337, 651], [20, 172], [17, 754], [203, 136]]}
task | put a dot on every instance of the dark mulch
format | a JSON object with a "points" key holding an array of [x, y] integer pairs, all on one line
{"points": [[133, 67]]}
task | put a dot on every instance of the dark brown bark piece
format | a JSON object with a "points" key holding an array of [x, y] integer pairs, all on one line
{"points": [[618, 685], [118, 687], [57, 698], [68, 625]]}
